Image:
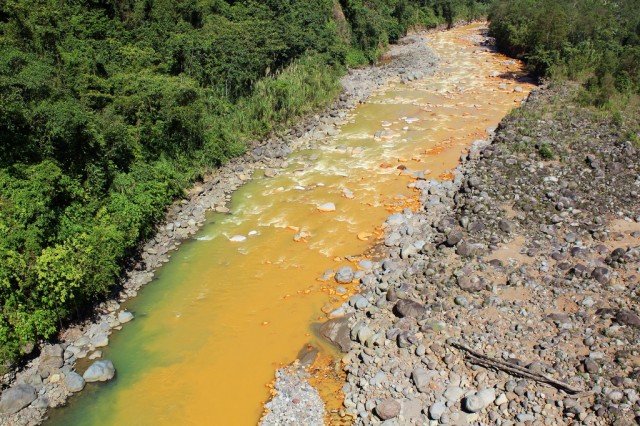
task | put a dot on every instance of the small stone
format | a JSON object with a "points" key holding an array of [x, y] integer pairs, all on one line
{"points": [[479, 401], [437, 410], [408, 308], [388, 409], [591, 366], [327, 207]]}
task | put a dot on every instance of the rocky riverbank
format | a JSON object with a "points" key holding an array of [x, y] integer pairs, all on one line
{"points": [[50, 379], [511, 297]]}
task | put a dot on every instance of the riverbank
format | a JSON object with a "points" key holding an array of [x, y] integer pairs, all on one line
{"points": [[511, 295], [44, 383]]}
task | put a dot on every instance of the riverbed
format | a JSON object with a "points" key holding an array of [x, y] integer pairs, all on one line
{"points": [[239, 299]]}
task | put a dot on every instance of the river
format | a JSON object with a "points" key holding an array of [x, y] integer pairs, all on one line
{"points": [[222, 316]]}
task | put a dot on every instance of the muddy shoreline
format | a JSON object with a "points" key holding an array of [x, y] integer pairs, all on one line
{"points": [[48, 377]]}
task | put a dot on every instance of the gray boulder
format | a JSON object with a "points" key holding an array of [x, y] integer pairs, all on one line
{"points": [[51, 359], [337, 331], [100, 371], [74, 382], [16, 398]]}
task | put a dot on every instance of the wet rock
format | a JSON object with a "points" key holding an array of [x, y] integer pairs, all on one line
{"points": [[344, 275], [327, 207], [124, 316], [337, 332], [100, 371], [16, 398], [388, 409]]}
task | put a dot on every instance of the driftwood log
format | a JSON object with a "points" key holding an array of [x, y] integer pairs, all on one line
{"points": [[486, 361]]}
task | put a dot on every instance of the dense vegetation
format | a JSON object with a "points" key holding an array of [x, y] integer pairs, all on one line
{"points": [[110, 108], [593, 41]]}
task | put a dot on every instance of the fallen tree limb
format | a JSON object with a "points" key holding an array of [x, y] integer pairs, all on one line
{"points": [[486, 361]]}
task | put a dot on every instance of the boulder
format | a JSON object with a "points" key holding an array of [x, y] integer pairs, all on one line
{"points": [[73, 382], [16, 398], [100, 371], [337, 331], [51, 359]]}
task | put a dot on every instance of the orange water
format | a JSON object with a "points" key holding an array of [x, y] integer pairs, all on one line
{"points": [[222, 316]]}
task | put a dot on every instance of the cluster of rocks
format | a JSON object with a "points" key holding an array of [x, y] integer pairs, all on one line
{"points": [[48, 380], [183, 219], [528, 258], [298, 403]]}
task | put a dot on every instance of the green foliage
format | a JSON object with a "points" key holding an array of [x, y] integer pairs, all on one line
{"points": [[591, 41]]}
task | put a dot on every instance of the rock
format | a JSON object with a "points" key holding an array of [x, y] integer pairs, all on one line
{"points": [[388, 409], [628, 318], [238, 239], [100, 371], [454, 238], [408, 308], [422, 378], [74, 382], [466, 249], [344, 275], [505, 226], [601, 274], [327, 207], [337, 332], [437, 410], [480, 401], [16, 398], [100, 340], [124, 316], [51, 358], [453, 393], [591, 366]]}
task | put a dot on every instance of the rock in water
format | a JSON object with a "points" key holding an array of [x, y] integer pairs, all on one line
{"points": [[327, 207], [100, 371], [337, 331], [344, 275], [125, 316], [238, 238], [73, 382], [16, 398], [388, 409]]}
